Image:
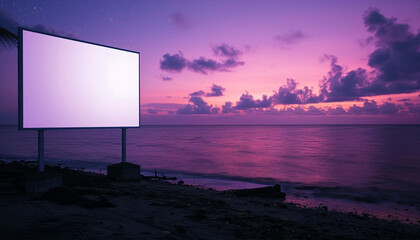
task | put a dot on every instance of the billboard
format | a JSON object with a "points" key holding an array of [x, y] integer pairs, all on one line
{"points": [[67, 83]]}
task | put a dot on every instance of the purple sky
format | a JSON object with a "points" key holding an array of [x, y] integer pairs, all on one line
{"points": [[246, 62]]}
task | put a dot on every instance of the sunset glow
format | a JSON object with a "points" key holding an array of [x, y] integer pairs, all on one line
{"points": [[324, 61]]}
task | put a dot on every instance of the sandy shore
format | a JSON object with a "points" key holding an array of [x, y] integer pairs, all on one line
{"points": [[90, 206]]}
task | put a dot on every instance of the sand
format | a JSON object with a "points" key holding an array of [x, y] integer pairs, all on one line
{"points": [[90, 206]]}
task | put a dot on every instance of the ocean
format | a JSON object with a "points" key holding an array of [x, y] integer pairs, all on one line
{"points": [[364, 168]]}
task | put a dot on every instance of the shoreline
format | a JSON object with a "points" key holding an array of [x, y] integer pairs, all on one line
{"points": [[162, 210], [341, 199]]}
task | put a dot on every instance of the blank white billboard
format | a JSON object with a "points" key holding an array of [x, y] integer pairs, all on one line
{"points": [[65, 83]]}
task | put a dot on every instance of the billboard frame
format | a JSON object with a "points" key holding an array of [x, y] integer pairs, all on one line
{"points": [[20, 80]]}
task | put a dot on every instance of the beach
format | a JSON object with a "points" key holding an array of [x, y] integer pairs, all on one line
{"points": [[365, 168], [90, 206]]}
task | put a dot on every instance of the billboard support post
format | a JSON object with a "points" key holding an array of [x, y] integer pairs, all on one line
{"points": [[123, 145], [40, 182], [40, 150]]}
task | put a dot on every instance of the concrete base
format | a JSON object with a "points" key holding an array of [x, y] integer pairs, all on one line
{"points": [[41, 182], [124, 171]]}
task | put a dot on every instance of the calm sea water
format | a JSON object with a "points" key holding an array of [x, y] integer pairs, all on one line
{"points": [[364, 163]]}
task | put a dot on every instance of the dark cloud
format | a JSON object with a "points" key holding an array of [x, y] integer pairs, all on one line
{"points": [[215, 110], [11, 25], [366, 42], [229, 55], [396, 63], [9, 30], [397, 57], [414, 109], [230, 63], [204, 65], [225, 50], [165, 78], [371, 107], [389, 108], [198, 106], [247, 101], [290, 38], [8, 23], [152, 111], [312, 110], [404, 100], [228, 108], [179, 20], [45, 29], [197, 93], [338, 86], [216, 91], [173, 63], [337, 111], [289, 94]]}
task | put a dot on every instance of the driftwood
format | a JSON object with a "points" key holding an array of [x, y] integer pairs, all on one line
{"points": [[157, 178], [263, 192]]}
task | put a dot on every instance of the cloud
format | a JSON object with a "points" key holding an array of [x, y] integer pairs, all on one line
{"points": [[396, 64], [215, 110], [45, 29], [179, 20], [338, 86], [152, 111], [11, 25], [198, 106], [290, 38], [197, 93], [216, 91], [370, 107], [397, 57], [337, 111], [366, 42], [204, 65], [173, 63], [228, 108], [247, 101], [165, 78], [8, 23], [312, 110], [289, 94], [176, 62], [9, 30], [414, 109], [225, 50], [299, 110]]}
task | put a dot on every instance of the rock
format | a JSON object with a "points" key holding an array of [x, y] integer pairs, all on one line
{"points": [[263, 192]]}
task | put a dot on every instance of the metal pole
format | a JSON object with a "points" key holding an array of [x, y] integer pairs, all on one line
{"points": [[124, 137], [40, 150]]}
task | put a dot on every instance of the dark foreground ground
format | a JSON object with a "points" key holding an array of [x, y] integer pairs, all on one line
{"points": [[90, 206]]}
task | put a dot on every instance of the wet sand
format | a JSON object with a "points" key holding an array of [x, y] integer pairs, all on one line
{"points": [[90, 206]]}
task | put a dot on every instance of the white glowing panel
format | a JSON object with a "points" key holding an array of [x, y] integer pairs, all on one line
{"points": [[73, 84]]}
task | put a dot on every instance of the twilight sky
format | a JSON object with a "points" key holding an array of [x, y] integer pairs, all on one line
{"points": [[246, 62]]}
